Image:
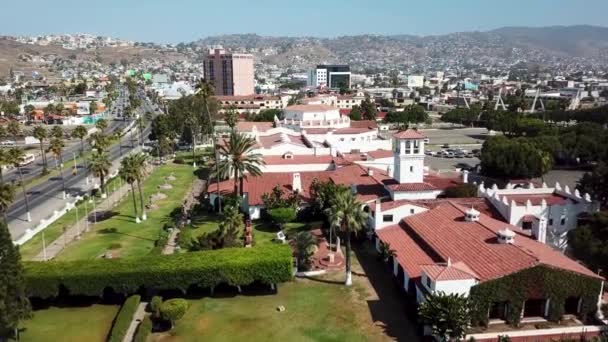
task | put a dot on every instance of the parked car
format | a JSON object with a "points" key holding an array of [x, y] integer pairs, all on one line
{"points": [[430, 153], [447, 154], [8, 143], [459, 154]]}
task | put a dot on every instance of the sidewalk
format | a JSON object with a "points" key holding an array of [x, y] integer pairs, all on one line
{"points": [[74, 232], [138, 316]]}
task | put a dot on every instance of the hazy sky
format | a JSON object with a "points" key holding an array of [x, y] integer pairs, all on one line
{"points": [[186, 20]]}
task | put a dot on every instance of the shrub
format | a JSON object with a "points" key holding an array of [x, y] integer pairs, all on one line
{"points": [[461, 191], [155, 304], [184, 239], [282, 215], [124, 318], [234, 266], [173, 309], [179, 160], [144, 330]]}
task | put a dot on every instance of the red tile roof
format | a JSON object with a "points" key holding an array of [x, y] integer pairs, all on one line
{"points": [[311, 108], [409, 254], [453, 271], [443, 231], [412, 187], [351, 130], [370, 124], [409, 134], [380, 154], [269, 141], [298, 159]]}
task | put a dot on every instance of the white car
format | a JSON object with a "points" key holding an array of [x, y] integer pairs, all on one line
{"points": [[8, 143]]}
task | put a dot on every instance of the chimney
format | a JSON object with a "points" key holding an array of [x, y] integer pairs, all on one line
{"points": [[506, 236], [296, 184], [471, 215], [370, 172], [465, 176]]}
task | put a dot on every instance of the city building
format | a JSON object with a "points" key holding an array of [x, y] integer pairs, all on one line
{"points": [[329, 76], [231, 74], [253, 104]]}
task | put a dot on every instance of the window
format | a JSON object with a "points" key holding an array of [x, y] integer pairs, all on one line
{"points": [[550, 221], [411, 211], [526, 225], [429, 282], [562, 221], [411, 169], [387, 218]]}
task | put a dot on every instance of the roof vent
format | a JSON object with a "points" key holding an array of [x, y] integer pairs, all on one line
{"points": [[506, 236], [284, 138], [471, 215]]}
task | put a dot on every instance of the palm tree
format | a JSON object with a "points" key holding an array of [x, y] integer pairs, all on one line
{"points": [[447, 315], [7, 196], [205, 91], [304, 250], [236, 158], [41, 133], [128, 172], [101, 124], [100, 165], [347, 213], [99, 141], [4, 161], [13, 129], [16, 156], [80, 132], [56, 148], [140, 162], [140, 125], [57, 132]]}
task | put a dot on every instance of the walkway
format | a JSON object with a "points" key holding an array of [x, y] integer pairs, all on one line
{"points": [[138, 316], [73, 233]]}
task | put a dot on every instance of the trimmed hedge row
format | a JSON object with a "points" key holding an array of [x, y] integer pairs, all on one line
{"points": [[144, 330], [234, 266], [124, 318]]}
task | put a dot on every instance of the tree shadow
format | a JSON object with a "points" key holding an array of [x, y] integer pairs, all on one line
{"points": [[108, 231], [321, 280]]}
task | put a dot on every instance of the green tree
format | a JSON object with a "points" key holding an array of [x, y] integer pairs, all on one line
{"points": [[231, 117], [140, 162], [281, 216], [99, 141], [368, 108], [41, 134], [447, 315], [173, 309], [155, 305], [355, 113], [595, 183], [461, 191], [14, 305], [13, 129], [101, 124], [99, 165], [4, 161], [386, 252], [512, 158], [57, 132], [56, 147], [128, 173], [15, 155], [347, 213], [237, 158], [80, 132], [304, 243], [7, 196]]}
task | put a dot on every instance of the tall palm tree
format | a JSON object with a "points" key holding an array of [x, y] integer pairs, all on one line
{"points": [[13, 129], [56, 147], [16, 156], [101, 124], [4, 161], [100, 165], [7, 196], [347, 213], [140, 163], [41, 134], [57, 132], [205, 91], [236, 158], [99, 141], [80, 132], [140, 125], [128, 172]]}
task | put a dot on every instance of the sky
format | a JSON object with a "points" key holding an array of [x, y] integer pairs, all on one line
{"points": [[172, 21]]}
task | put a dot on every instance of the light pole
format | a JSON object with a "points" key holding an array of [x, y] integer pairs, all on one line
{"points": [[86, 216], [77, 221], [43, 247]]}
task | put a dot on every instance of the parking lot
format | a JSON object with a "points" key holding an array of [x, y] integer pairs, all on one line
{"points": [[444, 164]]}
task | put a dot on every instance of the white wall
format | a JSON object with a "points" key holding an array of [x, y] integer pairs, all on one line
{"points": [[414, 195], [455, 286], [398, 214]]}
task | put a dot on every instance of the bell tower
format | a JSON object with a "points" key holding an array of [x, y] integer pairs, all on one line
{"points": [[408, 152]]}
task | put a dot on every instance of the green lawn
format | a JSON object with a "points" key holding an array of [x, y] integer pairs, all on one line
{"points": [[34, 246], [90, 324], [120, 233], [314, 311]]}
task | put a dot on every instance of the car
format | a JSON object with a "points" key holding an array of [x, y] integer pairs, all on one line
{"points": [[459, 154], [430, 153], [8, 143], [445, 146], [469, 155]]}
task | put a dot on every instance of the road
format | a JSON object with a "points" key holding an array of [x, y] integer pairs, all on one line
{"points": [[52, 190]]}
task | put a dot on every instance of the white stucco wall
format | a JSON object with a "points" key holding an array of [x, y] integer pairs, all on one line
{"points": [[414, 195], [462, 287]]}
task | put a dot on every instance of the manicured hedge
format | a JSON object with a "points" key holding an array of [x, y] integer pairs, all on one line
{"points": [[144, 330], [124, 318], [234, 266]]}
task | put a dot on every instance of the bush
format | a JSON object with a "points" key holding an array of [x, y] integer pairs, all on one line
{"points": [[173, 309], [184, 239], [179, 160], [124, 318], [282, 215], [155, 304], [234, 266], [144, 330], [461, 191]]}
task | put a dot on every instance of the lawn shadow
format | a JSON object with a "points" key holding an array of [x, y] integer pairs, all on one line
{"points": [[324, 281], [107, 231], [389, 309]]}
